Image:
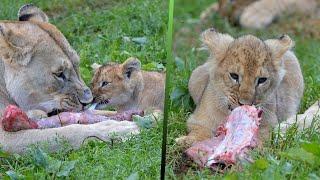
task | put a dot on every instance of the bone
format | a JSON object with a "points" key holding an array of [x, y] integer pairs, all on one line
{"points": [[15, 119], [232, 142]]}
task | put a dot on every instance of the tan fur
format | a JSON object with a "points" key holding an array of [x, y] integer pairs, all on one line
{"points": [[39, 72], [260, 13], [141, 90], [217, 92]]}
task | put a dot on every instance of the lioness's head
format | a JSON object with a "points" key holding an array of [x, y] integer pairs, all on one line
{"points": [[116, 84], [41, 70], [245, 70]]}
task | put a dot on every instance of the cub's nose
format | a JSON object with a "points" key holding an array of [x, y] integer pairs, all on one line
{"points": [[86, 97]]}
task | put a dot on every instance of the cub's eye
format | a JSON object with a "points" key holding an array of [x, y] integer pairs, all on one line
{"points": [[60, 75], [262, 80], [104, 83], [234, 76]]}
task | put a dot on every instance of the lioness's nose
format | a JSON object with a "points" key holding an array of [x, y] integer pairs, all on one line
{"points": [[86, 96]]}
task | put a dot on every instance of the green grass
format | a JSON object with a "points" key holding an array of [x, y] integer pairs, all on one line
{"points": [[287, 158], [96, 29]]}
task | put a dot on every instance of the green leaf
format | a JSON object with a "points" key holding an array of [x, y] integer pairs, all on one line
{"points": [[261, 164], [300, 154], [177, 93], [313, 148], [179, 64], [232, 176], [144, 122], [14, 175], [40, 158], [4, 154], [133, 176], [66, 168]]}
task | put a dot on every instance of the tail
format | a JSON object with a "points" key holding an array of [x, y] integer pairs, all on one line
{"points": [[29, 12]]}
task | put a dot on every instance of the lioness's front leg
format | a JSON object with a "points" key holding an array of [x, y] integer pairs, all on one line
{"points": [[75, 134]]}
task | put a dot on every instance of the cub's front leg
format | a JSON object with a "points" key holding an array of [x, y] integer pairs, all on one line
{"points": [[201, 126]]}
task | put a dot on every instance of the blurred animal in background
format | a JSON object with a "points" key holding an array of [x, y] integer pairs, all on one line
{"points": [[258, 14]]}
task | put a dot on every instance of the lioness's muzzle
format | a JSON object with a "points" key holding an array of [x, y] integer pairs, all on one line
{"points": [[86, 96]]}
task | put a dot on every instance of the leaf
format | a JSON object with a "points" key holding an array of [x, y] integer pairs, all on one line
{"points": [[177, 93], [145, 121], [179, 64], [40, 158], [4, 154], [53, 165], [232, 176], [300, 154], [14, 175], [313, 148], [133, 176], [140, 40], [66, 168], [261, 164], [287, 168]]}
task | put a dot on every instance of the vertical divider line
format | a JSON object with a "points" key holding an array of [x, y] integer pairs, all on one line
{"points": [[167, 106]]}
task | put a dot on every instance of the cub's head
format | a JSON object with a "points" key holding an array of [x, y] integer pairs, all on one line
{"points": [[117, 84], [41, 70], [245, 70]]}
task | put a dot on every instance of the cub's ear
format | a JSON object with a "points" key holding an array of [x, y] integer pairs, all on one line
{"points": [[14, 48], [29, 12], [95, 66], [279, 46], [216, 42], [131, 65]]}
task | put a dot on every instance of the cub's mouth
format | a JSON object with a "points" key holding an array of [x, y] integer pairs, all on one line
{"points": [[55, 112], [102, 104]]}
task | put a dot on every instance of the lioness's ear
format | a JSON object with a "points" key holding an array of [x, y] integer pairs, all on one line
{"points": [[29, 12], [14, 48], [279, 46], [217, 43], [131, 65]]}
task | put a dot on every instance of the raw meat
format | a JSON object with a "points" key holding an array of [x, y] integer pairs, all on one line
{"points": [[14, 119], [234, 139]]}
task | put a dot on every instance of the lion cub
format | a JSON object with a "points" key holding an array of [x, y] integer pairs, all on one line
{"points": [[125, 86], [243, 71]]}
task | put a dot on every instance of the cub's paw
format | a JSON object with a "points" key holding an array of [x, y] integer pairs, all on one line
{"points": [[185, 141]]}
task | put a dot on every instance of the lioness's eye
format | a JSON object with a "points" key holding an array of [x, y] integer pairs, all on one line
{"points": [[104, 83], [60, 75], [234, 76], [262, 80]]}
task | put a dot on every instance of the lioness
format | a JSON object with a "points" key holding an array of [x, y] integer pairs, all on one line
{"points": [[127, 87], [243, 71], [40, 73]]}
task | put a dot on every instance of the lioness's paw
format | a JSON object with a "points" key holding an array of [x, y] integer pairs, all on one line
{"points": [[108, 130], [185, 141]]}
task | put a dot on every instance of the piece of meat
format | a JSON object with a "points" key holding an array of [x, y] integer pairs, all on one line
{"points": [[233, 139], [15, 119]]}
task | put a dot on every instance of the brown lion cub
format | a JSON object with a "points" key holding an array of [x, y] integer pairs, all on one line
{"points": [[243, 71], [125, 86]]}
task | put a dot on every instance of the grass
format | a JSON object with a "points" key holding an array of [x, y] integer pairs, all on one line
{"points": [[291, 157], [97, 29]]}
